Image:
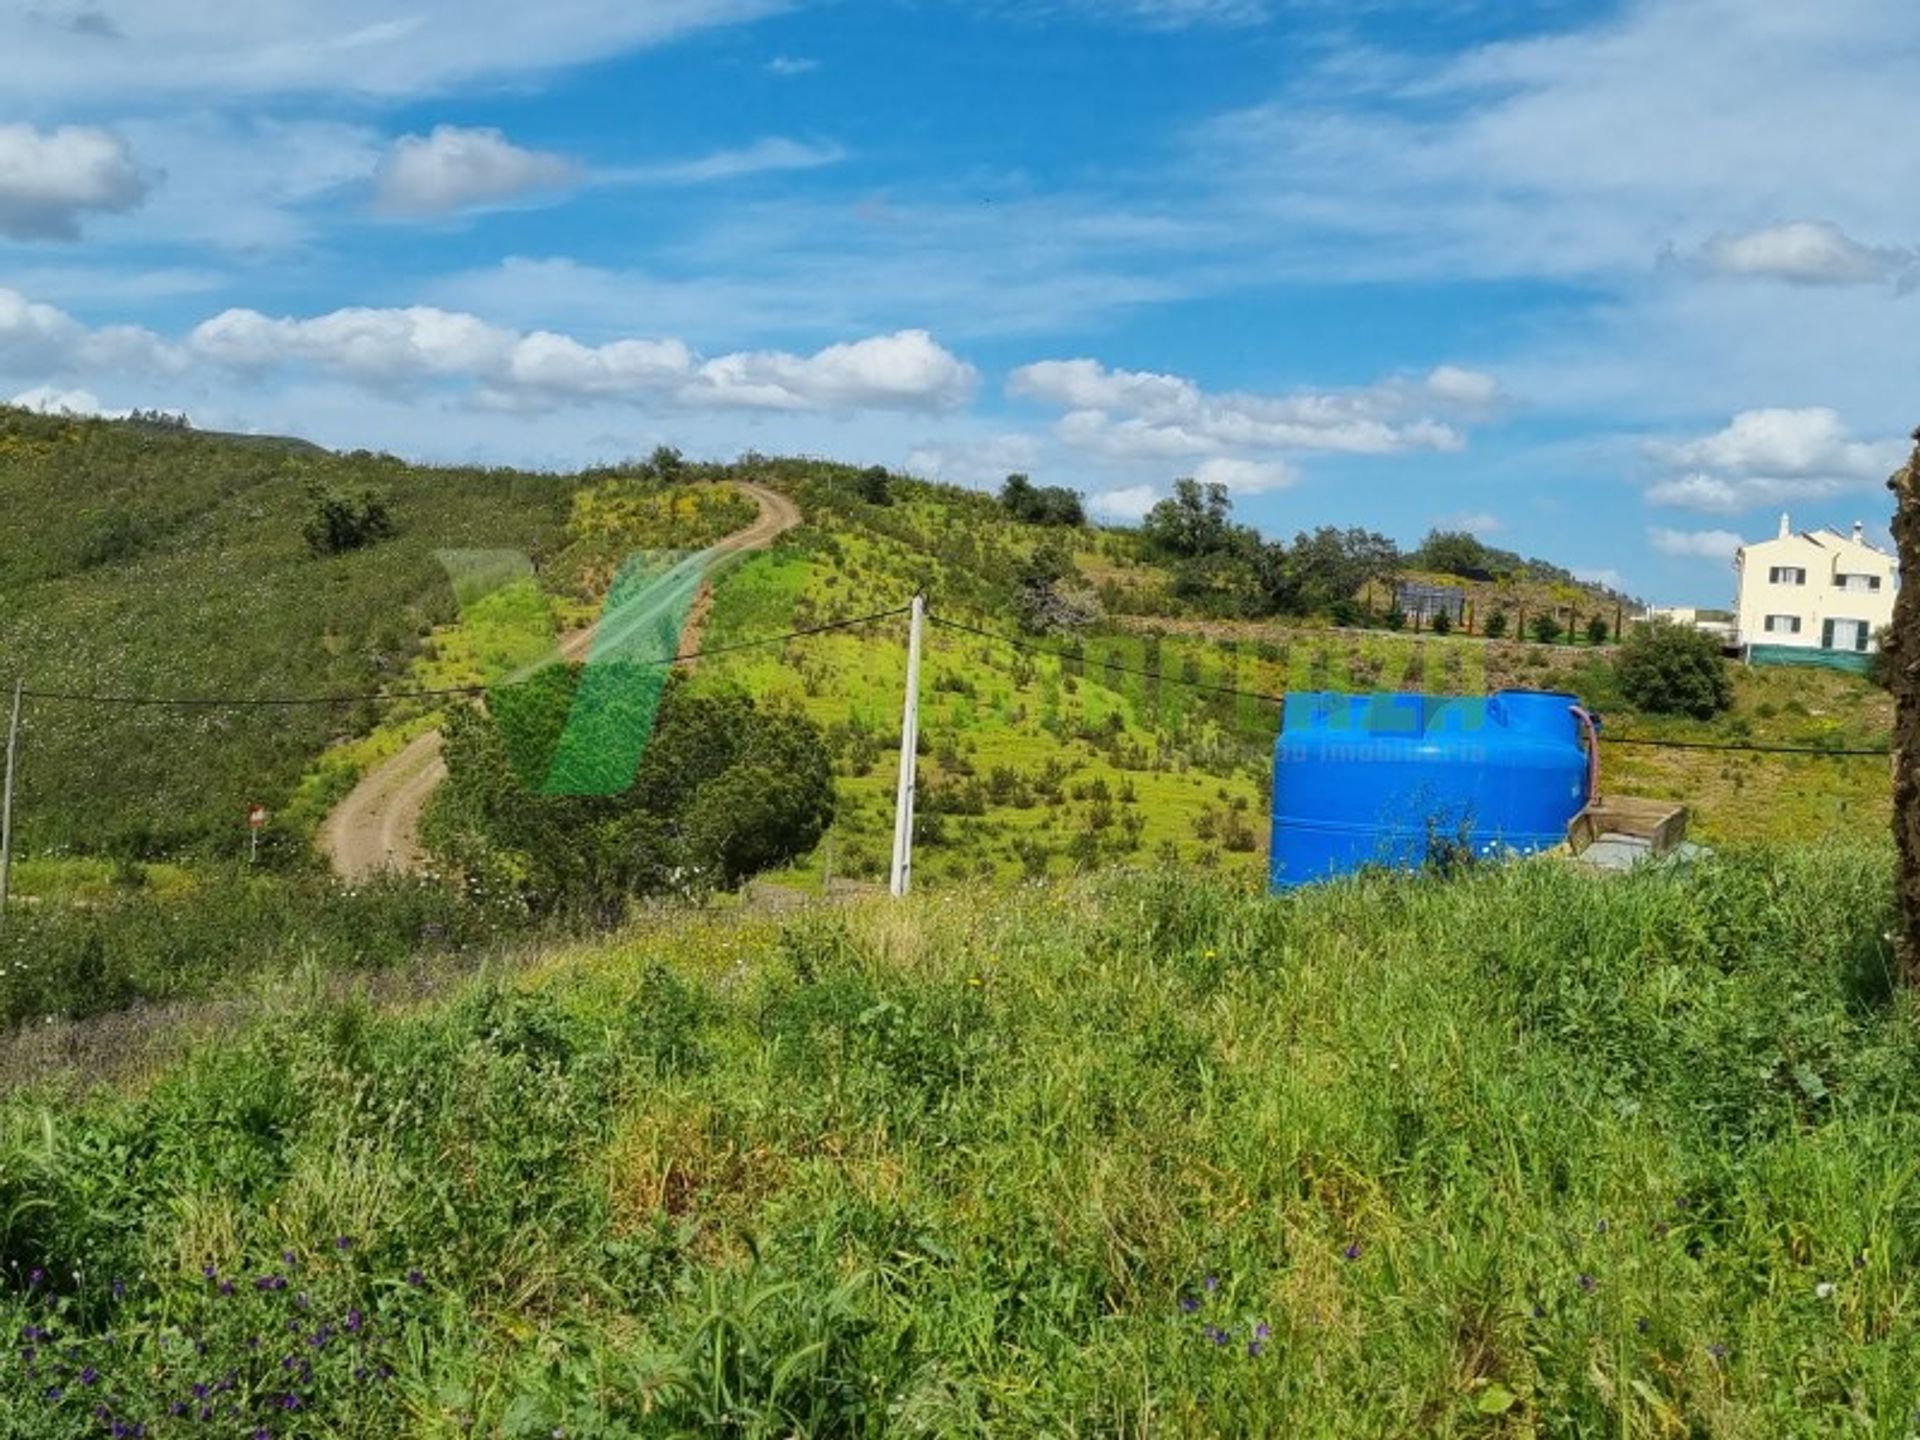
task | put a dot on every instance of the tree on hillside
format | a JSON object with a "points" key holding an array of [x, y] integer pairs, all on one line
{"points": [[1457, 552], [1322, 570], [873, 485], [1049, 594], [1196, 520], [342, 520], [725, 789], [1674, 669], [1042, 504]]}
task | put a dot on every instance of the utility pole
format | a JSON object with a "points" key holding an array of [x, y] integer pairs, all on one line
{"points": [[6, 798], [909, 746]]}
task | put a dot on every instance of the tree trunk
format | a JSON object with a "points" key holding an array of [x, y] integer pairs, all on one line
{"points": [[1904, 670]]}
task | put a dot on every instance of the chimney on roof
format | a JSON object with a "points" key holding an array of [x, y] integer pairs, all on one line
{"points": [[1859, 533], [1786, 525]]}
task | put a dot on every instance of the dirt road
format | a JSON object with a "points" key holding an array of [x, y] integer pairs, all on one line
{"points": [[377, 827]]}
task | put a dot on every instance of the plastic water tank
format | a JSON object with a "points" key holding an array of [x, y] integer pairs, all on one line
{"points": [[1363, 780]]}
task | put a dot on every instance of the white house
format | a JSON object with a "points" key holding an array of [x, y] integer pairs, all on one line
{"points": [[1717, 623], [1814, 590]]}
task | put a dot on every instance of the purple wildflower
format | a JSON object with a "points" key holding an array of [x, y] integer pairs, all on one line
{"points": [[1210, 1284], [1255, 1348], [1188, 1303], [1587, 1283], [1352, 1252], [89, 1375], [354, 1321], [416, 1279], [343, 1242], [226, 1287]]}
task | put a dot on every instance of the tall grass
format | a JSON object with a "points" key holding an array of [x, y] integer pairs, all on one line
{"points": [[1524, 1153]]}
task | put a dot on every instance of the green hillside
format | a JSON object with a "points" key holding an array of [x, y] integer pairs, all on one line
{"points": [[154, 560]]}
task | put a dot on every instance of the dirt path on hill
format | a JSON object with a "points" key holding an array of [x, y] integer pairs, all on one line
{"points": [[377, 827]]}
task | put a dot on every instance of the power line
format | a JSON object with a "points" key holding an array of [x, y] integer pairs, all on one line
{"points": [[1652, 744], [231, 702], [1110, 665]]}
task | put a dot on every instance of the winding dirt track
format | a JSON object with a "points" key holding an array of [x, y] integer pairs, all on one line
{"points": [[377, 827]]}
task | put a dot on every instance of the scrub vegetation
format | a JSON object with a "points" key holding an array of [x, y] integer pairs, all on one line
{"points": [[1518, 1152]]}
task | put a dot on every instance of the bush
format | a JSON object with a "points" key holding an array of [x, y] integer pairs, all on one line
{"points": [[1597, 631], [341, 521], [1442, 623], [1496, 625], [1674, 669], [1545, 629]]}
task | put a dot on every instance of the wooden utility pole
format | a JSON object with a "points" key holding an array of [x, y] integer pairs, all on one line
{"points": [[6, 798], [909, 748], [1903, 666]]}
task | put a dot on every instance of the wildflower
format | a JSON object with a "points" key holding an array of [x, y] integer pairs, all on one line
{"points": [[1860, 1261], [89, 1375], [416, 1279], [343, 1242], [1210, 1284], [1642, 1325], [208, 1270], [1601, 1228], [287, 1255], [1352, 1252], [354, 1321], [1256, 1348], [1717, 1350], [226, 1287], [1824, 1290], [1188, 1303], [1587, 1283]]}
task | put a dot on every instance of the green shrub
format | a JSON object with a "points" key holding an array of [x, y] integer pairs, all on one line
{"points": [[339, 521], [1597, 630], [1674, 669], [1545, 628], [1496, 625]]}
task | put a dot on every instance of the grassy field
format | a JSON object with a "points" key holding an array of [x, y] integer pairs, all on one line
{"points": [[1526, 1153]]}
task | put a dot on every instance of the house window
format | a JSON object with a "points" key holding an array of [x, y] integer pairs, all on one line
{"points": [[1865, 583], [1845, 635], [1783, 624], [1787, 575]]}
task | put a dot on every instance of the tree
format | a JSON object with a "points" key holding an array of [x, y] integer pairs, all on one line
{"points": [[872, 485], [1049, 593], [1456, 552], [1442, 622], [725, 788], [1545, 628], [1674, 669], [339, 520], [1195, 521], [1322, 572], [1597, 631], [1042, 504], [1496, 625]]}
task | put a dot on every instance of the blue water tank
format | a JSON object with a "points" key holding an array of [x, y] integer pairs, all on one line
{"points": [[1364, 780]]}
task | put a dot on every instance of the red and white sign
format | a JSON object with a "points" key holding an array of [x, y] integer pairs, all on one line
{"points": [[256, 816]]}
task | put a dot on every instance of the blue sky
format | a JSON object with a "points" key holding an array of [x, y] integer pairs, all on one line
{"points": [[1612, 283]]}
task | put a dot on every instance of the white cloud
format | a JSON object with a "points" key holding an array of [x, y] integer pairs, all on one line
{"points": [[1771, 457], [49, 400], [1805, 252], [456, 169], [1125, 414], [776, 153], [1179, 14], [49, 179], [787, 65], [983, 463], [1128, 504], [1695, 544], [1807, 443], [209, 48], [1473, 522], [403, 350], [41, 340], [908, 370], [1585, 149], [1246, 477]]}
